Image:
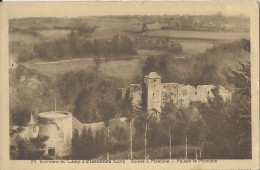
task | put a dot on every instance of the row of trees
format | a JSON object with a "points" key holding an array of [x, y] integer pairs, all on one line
{"points": [[85, 146], [157, 131], [158, 44], [89, 145], [74, 46]]}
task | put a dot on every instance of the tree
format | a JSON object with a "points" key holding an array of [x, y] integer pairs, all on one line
{"points": [[149, 65], [75, 145], [159, 65], [84, 30], [229, 122], [86, 145], [141, 108], [129, 112], [100, 142], [240, 109], [108, 111], [83, 144], [144, 28], [185, 116], [144, 116], [220, 129], [168, 116], [91, 145]]}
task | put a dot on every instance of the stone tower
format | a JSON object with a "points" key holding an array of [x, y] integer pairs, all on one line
{"points": [[153, 87]]}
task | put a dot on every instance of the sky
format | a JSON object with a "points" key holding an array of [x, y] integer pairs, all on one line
{"points": [[78, 9]]}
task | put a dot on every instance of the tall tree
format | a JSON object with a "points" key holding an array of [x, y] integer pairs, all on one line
{"points": [[91, 145], [83, 144], [149, 65], [108, 111], [168, 116], [144, 116], [219, 127], [144, 28], [100, 142], [240, 109], [229, 122], [185, 116], [75, 148], [129, 112]]}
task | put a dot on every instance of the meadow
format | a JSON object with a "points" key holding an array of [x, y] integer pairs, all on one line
{"points": [[193, 48], [198, 36], [125, 69], [53, 34]]}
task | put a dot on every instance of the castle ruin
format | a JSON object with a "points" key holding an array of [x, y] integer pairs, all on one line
{"points": [[158, 93]]}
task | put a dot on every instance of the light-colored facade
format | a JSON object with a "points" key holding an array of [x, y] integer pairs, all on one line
{"points": [[57, 126]]}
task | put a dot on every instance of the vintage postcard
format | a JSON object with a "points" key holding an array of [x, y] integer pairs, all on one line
{"points": [[124, 85]]}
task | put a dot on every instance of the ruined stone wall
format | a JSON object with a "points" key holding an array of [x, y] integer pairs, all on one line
{"points": [[175, 93], [135, 92], [160, 93], [184, 94], [169, 92], [93, 126]]}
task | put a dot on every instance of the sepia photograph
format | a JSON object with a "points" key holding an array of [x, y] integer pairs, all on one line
{"points": [[137, 86]]}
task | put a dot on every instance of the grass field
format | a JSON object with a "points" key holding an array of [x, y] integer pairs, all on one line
{"points": [[125, 69], [24, 38], [193, 48], [54, 34], [197, 35]]}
